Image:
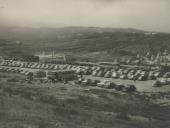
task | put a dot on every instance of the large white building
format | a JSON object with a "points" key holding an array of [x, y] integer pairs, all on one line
{"points": [[55, 58]]}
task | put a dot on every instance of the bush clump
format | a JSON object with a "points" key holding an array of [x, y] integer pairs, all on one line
{"points": [[12, 80], [123, 116]]}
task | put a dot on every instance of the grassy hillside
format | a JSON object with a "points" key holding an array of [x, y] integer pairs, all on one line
{"points": [[11, 48], [85, 40], [59, 105]]}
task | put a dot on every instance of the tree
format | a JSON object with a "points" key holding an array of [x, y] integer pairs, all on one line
{"points": [[41, 74], [30, 77]]}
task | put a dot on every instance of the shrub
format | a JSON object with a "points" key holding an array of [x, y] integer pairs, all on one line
{"points": [[123, 116], [12, 80], [3, 76]]}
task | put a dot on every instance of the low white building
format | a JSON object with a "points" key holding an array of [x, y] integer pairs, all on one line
{"points": [[56, 58]]}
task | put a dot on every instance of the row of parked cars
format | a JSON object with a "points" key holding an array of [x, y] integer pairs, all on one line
{"points": [[106, 84], [127, 73], [121, 73], [15, 70], [165, 80], [45, 66]]}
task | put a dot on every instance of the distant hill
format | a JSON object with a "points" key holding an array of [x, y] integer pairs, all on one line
{"points": [[84, 40]]}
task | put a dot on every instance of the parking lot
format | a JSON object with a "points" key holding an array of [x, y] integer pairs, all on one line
{"points": [[121, 76], [82, 101], [142, 86]]}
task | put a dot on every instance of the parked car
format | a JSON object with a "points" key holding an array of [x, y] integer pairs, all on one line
{"points": [[79, 81], [110, 86], [142, 78], [123, 76], [132, 77], [163, 81], [166, 75], [157, 84], [129, 88], [158, 74], [151, 76], [108, 74], [115, 75], [103, 83], [95, 82], [100, 74], [119, 87], [86, 82], [94, 73]]}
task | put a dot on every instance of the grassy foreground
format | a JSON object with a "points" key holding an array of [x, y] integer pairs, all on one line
{"points": [[61, 105]]}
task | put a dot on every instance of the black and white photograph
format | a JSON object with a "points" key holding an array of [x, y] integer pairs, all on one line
{"points": [[84, 63]]}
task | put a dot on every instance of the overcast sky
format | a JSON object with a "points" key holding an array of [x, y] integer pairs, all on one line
{"points": [[141, 14]]}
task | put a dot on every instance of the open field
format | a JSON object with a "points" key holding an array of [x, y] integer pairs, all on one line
{"points": [[59, 105]]}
